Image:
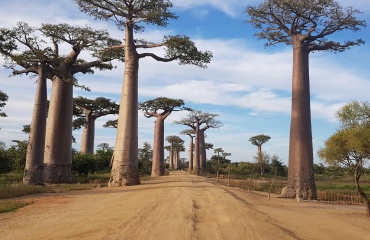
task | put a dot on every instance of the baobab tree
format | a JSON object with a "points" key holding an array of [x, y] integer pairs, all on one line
{"points": [[191, 134], [33, 62], [47, 61], [3, 99], [194, 120], [177, 148], [175, 145], [160, 108], [59, 128], [131, 16], [90, 110], [258, 140], [306, 25]]}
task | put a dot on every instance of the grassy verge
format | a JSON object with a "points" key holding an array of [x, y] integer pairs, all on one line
{"points": [[18, 190], [11, 186], [342, 185], [10, 206]]}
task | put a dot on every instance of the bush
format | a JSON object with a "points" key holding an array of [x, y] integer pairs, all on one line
{"points": [[83, 164], [5, 162]]}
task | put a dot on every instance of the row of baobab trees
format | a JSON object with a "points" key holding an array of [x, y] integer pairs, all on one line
{"points": [[306, 25], [87, 111]]}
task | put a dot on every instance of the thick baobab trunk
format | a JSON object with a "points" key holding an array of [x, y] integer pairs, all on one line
{"points": [[176, 159], [33, 172], [191, 156], [301, 182], [196, 169], [125, 169], [203, 153], [88, 135], [171, 156], [162, 160], [58, 143], [260, 162], [158, 149]]}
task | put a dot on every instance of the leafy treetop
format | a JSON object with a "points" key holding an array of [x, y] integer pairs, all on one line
{"points": [[310, 21], [95, 108], [258, 140], [128, 14], [39, 52], [161, 106]]}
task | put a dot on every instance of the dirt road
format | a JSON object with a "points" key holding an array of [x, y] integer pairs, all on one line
{"points": [[180, 206]]}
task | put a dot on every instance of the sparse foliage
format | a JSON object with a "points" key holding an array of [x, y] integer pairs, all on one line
{"points": [[160, 108], [195, 120], [132, 17], [89, 111], [306, 25], [258, 140]]}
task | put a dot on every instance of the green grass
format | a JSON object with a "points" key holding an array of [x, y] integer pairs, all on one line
{"points": [[10, 206], [18, 190]]}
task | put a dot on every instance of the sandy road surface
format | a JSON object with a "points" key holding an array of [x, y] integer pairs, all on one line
{"points": [[180, 206]]}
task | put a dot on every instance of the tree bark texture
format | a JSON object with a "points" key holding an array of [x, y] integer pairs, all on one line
{"points": [[33, 172], [58, 143], [176, 159], [259, 153], [88, 134], [158, 148], [171, 156], [196, 169], [301, 182], [203, 153], [125, 170], [191, 156]]}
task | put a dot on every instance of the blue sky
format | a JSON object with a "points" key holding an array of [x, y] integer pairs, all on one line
{"points": [[248, 85]]}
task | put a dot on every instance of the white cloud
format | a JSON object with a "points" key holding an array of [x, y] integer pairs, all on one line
{"points": [[229, 7]]}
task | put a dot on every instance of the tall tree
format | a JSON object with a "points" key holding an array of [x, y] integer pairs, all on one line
{"points": [[258, 140], [160, 108], [47, 61], [350, 145], [90, 110], [3, 99], [132, 16], [59, 127], [195, 120], [305, 25], [34, 61], [191, 134], [175, 144], [177, 148]]}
